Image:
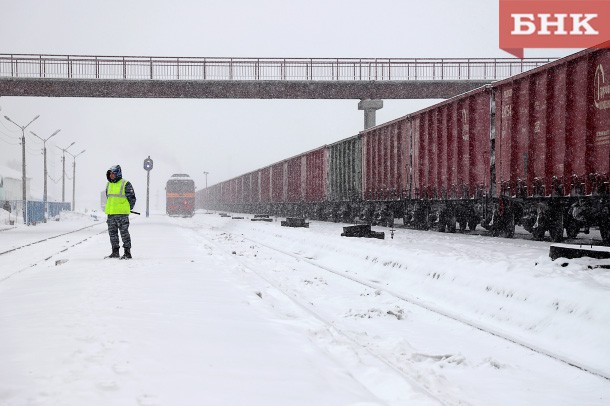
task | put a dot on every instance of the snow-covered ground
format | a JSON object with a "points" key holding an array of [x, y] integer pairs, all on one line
{"points": [[221, 311]]}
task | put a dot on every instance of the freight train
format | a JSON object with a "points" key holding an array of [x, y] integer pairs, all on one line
{"points": [[531, 150], [180, 195]]}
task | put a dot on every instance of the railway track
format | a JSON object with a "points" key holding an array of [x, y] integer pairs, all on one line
{"points": [[29, 255], [337, 333], [444, 313], [426, 306]]}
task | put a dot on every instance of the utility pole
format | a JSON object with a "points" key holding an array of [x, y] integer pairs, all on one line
{"points": [[23, 177], [206, 179], [44, 152], [74, 178], [63, 171]]}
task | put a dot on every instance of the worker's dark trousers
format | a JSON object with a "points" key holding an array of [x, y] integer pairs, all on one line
{"points": [[116, 223]]}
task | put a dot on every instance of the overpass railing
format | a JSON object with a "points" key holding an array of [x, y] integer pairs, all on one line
{"points": [[258, 69]]}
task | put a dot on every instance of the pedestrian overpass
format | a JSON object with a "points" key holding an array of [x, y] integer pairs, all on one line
{"points": [[252, 78]]}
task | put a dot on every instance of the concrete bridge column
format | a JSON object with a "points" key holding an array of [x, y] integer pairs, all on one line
{"points": [[369, 106]]}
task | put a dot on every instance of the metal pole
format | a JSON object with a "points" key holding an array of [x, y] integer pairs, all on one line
{"points": [[73, 183], [44, 196], [23, 177], [148, 165], [147, 191], [44, 144], [74, 177], [63, 176], [63, 171], [206, 179]]}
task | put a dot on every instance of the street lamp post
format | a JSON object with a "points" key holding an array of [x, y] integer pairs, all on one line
{"points": [[23, 188], [206, 179], [44, 152], [63, 171], [74, 177]]}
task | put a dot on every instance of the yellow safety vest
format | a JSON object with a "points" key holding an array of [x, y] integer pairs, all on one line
{"points": [[116, 202]]}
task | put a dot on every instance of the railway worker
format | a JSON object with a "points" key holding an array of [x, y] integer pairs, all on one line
{"points": [[120, 199]]}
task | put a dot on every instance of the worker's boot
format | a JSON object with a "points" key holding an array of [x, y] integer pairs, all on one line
{"points": [[127, 254], [115, 253]]}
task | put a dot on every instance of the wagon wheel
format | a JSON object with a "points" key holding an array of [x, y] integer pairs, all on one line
{"points": [[441, 224], [572, 229], [462, 225], [556, 229], [604, 230], [538, 233], [423, 222], [472, 223], [451, 220], [509, 227]]}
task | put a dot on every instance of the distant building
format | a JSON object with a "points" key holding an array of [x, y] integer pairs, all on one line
{"points": [[11, 184]]}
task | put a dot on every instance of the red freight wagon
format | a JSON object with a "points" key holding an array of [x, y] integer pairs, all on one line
{"points": [[213, 197], [315, 175], [473, 139], [247, 190], [202, 198], [553, 144], [424, 168], [233, 194], [452, 148], [218, 194], [451, 162], [277, 183], [239, 189], [255, 187], [294, 179], [265, 184], [552, 135], [386, 161], [231, 191], [225, 192]]}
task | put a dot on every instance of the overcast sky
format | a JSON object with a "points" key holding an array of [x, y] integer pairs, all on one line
{"points": [[223, 137]]}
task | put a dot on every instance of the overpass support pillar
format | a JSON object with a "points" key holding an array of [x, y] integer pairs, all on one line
{"points": [[369, 106]]}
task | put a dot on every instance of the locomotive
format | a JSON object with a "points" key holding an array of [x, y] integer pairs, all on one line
{"points": [[180, 196], [531, 150]]}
